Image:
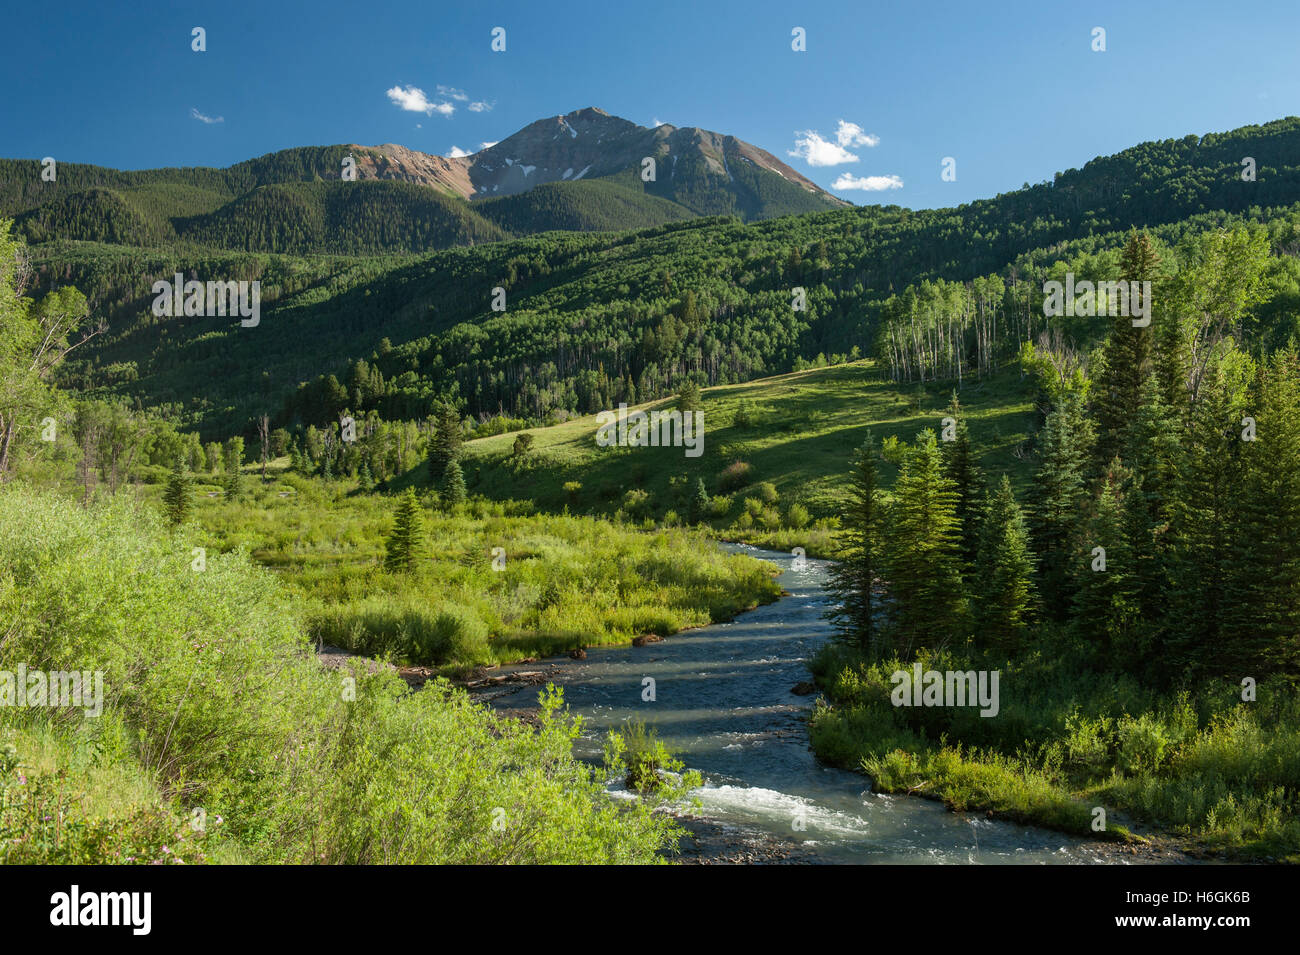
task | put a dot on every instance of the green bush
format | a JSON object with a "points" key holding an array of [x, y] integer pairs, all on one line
{"points": [[212, 691]]}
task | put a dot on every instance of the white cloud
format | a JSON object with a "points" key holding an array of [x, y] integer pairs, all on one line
{"points": [[810, 147], [851, 134], [866, 183], [487, 145], [452, 92], [657, 123], [478, 106], [206, 119], [457, 152], [413, 100]]}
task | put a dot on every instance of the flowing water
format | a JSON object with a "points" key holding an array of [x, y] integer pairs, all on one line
{"points": [[724, 705]]}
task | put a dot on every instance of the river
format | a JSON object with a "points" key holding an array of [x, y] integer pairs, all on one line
{"points": [[723, 703]]}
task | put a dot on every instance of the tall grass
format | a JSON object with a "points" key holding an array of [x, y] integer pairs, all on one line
{"points": [[214, 701], [1220, 772]]}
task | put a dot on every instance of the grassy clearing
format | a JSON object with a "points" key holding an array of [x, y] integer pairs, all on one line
{"points": [[564, 581], [795, 432]]}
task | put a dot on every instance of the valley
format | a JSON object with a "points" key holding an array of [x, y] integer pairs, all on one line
{"points": [[414, 427]]}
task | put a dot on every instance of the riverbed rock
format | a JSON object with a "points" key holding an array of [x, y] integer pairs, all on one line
{"points": [[645, 638], [804, 688], [579, 654]]}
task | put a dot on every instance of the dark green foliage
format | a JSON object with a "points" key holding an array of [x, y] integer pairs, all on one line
{"points": [[405, 541], [1002, 590], [1204, 526], [688, 399], [178, 498], [453, 486], [853, 578], [1105, 605], [444, 444], [699, 502], [522, 444], [921, 553], [1127, 360], [1263, 596], [960, 468], [1058, 493]]}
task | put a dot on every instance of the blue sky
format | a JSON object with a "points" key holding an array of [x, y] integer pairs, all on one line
{"points": [[1014, 96]]}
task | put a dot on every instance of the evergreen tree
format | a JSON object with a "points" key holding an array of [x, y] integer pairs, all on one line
{"points": [[453, 486], [178, 496], [444, 442], [1151, 448], [1003, 591], [960, 468], [853, 577], [406, 540], [699, 503], [688, 399], [1059, 493], [922, 552], [1204, 522], [1264, 593], [1127, 356], [366, 480], [1105, 606]]}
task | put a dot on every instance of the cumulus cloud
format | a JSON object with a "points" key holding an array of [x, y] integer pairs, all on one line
{"points": [[656, 123], [478, 106], [413, 100], [206, 119], [487, 145], [452, 92], [816, 151], [457, 152], [866, 183], [851, 134]]}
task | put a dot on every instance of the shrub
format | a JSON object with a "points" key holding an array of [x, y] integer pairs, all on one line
{"points": [[1142, 743], [636, 503], [797, 516], [642, 756], [734, 476]]}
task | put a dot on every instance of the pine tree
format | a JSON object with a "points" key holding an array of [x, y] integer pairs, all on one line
{"points": [[233, 485], [1151, 450], [1059, 493], [444, 443], [406, 540], [1127, 356], [959, 467], [922, 552], [1263, 599], [366, 480], [853, 577], [1204, 522], [178, 497], [1003, 591], [453, 486], [688, 399], [1105, 602], [699, 503]]}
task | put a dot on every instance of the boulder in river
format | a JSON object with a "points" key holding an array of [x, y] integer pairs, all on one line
{"points": [[804, 688], [645, 638]]}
